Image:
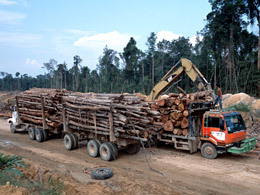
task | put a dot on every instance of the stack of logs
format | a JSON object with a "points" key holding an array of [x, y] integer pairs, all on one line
{"points": [[126, 114], [31, 102], [174, 110]]}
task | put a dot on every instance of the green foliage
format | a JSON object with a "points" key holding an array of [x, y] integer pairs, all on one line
{"points": [[227, 55], [10, 164], [240, 107], [9, 173]]}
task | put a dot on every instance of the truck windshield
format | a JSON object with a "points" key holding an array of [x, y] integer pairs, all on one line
{"points": [[234, 123]]}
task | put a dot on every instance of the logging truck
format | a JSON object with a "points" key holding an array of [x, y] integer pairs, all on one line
{"points": [[213, 131], [100, 121]]}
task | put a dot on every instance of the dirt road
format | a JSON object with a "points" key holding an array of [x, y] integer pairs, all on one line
{"points": [[186, 173]]}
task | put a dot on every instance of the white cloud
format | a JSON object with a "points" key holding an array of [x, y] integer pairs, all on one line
{"points": [[193, 40], [77, 32], [7, 2], [8, 17], [31, 62], [19, 40], [114, 40], [167, 35], [16, 2]]}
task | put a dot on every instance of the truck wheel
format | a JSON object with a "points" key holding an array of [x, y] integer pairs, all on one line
{"points": [[12, 128], [99, 142], [68, 142], [133, 148], [105, 152], [114, 149], [102, 173], [39, 135], [93, 148], [31, 133], [45, 134], [209, 151], [76, 140]]}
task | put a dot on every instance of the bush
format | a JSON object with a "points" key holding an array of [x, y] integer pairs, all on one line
{"points": [[10, 164], [9, 172], [240, 107]]}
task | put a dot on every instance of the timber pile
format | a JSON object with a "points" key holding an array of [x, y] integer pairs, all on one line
{"points": [[174, 111], [124, 114], [31, 102]]}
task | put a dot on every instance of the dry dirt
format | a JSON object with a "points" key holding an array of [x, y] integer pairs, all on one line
{"points": [[186, 173]]}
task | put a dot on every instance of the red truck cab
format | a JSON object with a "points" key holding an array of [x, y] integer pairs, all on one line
{"points": [[223, 132]]}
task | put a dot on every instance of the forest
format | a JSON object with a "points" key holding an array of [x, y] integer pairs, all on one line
{"points": [[228, 54]]}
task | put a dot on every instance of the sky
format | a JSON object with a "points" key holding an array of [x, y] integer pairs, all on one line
{"points": [[34, 31]]}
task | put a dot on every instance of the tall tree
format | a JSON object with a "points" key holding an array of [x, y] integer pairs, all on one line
{"points": [[253, 12], [77, 64], [17, 77], [109, 72], [224, 24], [151, 44], [49, 66], [131, 56]]}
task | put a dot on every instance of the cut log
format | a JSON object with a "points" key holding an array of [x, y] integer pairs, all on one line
{"points": [[181, 107], [165, 118], [177, 124], [177, 101], [184, 132], [181, 95], [161, 102], [184, 123], [173, 95], [154, 107], [175, 115], [179, 132], [175, 131], [168, 126], [170, 102], [185, 113]]}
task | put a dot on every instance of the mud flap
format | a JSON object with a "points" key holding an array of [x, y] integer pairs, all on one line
{"points": [[248, 145], [193, 146]]}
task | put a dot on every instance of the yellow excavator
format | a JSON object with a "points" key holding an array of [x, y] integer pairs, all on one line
{"points": [[183, 66]]}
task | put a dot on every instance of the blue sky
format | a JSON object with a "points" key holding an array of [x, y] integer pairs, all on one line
{"points": [[33, 31]]}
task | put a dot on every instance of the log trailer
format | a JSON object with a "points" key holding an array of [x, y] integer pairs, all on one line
{"points": [[49, 112], [211, 130]]}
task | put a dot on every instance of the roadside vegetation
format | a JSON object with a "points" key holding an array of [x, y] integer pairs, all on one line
{"points": [[240, 107], [12, 173]]}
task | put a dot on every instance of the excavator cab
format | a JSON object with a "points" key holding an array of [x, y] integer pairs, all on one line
{"points": [[183, 66]]}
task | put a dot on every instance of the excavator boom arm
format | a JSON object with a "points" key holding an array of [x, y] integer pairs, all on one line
{"points": [[183, 66]]}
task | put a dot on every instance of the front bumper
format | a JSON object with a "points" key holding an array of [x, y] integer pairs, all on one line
{"points": [[247, 145]]}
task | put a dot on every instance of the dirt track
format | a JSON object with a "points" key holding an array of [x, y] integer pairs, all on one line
{"points": [[186, 173]]}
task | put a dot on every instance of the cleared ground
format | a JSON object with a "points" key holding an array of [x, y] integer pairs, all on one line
{"points": [[186, 173]]}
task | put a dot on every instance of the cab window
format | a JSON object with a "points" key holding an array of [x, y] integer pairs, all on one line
{"points": [[213, 122]]}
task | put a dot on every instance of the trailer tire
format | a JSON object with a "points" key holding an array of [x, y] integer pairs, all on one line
{"points": [[68, 142], [12, 128], [114, 149], [99, 142], [101, 173], [45, 134], [209, 151], [39, 135], [93, 148], [76, 140], [31, 133], [106, 152], [133, 148]]}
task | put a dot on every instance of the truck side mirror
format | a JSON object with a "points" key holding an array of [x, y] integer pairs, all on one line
{"points": [[221, 124]]}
